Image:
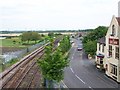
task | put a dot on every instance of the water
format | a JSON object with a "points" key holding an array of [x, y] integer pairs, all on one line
{"points": [[2, 37]]}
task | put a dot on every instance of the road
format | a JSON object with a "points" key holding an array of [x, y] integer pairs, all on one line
{"points": [[82, 72]]}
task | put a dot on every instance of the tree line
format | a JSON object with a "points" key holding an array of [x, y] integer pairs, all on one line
{"points": [[90, 40]]}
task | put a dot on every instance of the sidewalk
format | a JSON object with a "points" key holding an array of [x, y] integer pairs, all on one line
{"points": [[60, 85]]}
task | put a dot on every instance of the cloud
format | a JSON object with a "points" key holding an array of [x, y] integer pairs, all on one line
{"points": [[50, 14]]}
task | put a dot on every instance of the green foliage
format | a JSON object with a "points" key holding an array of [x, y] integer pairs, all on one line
{"points": [[13, 61], [95, 34], [30, 36], [90, 41], [54, 63], [42, 35], [8, 64], [51, 34], [90, 47], [35, 36], [12, 42], [65, 44]]}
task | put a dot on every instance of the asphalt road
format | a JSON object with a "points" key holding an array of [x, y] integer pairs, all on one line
{"points": [[82, 72]]}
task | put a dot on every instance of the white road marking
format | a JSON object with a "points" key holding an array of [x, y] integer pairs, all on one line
{"points": [[72, 70], [89, 87], [80, 79], [75, 45], [65, 86]]}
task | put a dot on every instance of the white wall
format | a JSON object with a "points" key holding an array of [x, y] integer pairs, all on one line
{"points": [[119, 9]]}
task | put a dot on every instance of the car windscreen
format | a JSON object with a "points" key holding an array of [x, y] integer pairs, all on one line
{"points": [[80, 46]]}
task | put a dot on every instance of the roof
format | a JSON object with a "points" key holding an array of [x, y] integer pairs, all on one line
{"points": [[118, 19], [102, 40]]}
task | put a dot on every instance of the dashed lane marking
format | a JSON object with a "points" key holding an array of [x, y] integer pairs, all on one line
{"points": [[91, 88], [80, 79], [72, 70], [65, 86]]}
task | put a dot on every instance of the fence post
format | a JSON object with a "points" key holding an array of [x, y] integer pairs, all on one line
{"points": [[3, 63]]}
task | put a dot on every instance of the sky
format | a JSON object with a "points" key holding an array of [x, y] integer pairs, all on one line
{"points": [[56, 14]]}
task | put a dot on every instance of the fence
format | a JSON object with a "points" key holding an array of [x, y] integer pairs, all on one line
{"points": [[19, 54]]}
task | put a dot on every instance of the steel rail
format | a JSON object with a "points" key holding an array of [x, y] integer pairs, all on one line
{"points": [[23, 64]]}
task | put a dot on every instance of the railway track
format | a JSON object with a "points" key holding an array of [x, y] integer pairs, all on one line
{"points": [[21, 74], [25, 73]]}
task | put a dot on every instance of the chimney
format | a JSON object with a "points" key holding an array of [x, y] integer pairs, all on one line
{"points": [[119, 9]]}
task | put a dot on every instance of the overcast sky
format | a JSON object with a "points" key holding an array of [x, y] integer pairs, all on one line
{"points": [[56, 14]]}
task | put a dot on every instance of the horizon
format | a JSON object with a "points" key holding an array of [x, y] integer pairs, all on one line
{"points": [[45, 30]]}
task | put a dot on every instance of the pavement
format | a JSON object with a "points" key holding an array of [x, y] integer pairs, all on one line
{"points": [[82, 72]]}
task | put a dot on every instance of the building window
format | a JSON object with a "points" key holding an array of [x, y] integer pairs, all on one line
{"points": [[106, 67], [117, 53], [113, 30], [113, 69], [110, 51], [99, 46], [103, 48], [101, 60]]}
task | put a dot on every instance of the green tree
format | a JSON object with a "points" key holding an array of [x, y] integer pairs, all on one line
{"points": [[65, 44], [51, 34], [35, 36], [30, 36], [26, 36], [90, 48], [95, 34], [53, 64], [90, 41]]}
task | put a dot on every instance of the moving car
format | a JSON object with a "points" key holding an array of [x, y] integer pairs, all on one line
{"points": [[79, 48]]}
